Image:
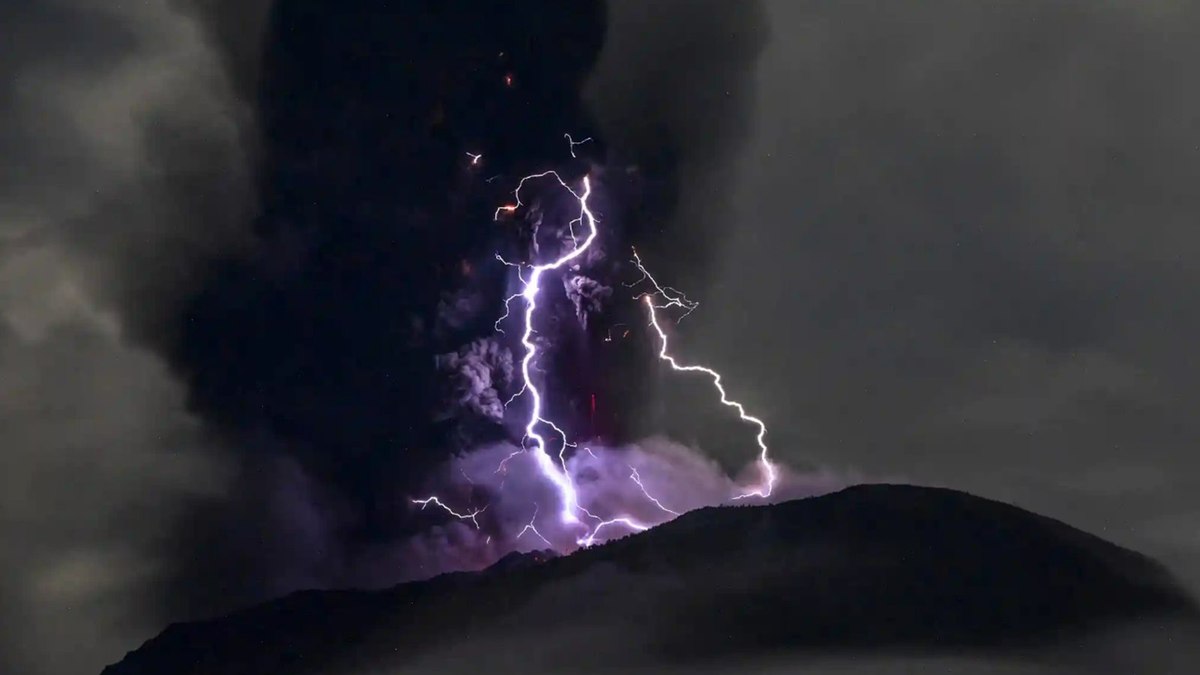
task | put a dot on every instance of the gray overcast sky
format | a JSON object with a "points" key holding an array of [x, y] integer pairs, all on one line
{"points": [[963, 250]]}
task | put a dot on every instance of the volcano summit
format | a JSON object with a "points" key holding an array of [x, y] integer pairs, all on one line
{"points": [[872, 570]]}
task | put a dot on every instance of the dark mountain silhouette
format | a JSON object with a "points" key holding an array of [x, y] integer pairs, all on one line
{"points": [[870, 569]]}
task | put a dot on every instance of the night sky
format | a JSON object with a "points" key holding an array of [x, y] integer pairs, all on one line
{"points": [[944, 243]]}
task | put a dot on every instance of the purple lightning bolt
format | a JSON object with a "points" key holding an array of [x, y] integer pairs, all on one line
{"points": [[624, 521], [461, 516], [673, 297], [638, 479], [556, 472], [530, 527], [553, 472], [764, 460], [574, 142]]}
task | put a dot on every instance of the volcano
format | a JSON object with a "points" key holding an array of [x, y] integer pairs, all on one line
{"points": [[872, 569]]}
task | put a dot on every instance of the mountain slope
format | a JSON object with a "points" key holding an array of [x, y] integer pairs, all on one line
{"points": [[879, 568]]}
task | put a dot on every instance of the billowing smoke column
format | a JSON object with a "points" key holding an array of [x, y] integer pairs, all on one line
{"points": [[579, 521]]}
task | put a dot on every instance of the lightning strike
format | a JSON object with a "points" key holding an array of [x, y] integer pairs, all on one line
{"points": [[507, 310], [530, 527], [630, 523], [558, 476], [503, 466], [770, 475], [519, 275], [517, 395], [572, 142], [565, 443], [511, 208], [638, 479], [571, 226], [534, 442], [461, 516], [673, 296]]}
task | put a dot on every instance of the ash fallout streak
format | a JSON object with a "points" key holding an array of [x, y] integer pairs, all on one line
{"points": [[574, 518]]}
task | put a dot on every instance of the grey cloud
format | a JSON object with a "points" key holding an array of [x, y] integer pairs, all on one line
{"points": [[236, 28], [673, 92], [124, 151], [122, 169], [675, 71], [478, 374], [963, 249], [586, 294], [99, 458]]}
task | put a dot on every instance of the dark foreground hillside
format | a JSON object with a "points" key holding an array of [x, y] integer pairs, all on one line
{"points": [[881, 569]]}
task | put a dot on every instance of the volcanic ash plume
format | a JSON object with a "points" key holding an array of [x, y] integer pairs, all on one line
{"points": [[477, 373]]}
